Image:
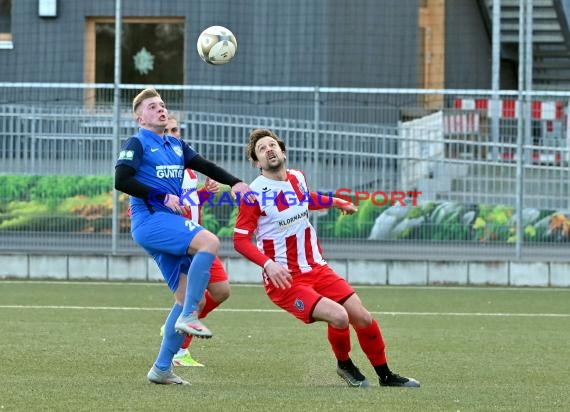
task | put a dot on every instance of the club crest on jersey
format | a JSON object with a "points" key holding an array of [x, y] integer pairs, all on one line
{"points": [[301, 188], [178, 151], [300, 305]]}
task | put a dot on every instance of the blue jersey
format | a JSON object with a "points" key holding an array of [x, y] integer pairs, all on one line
{"points": [[159, 163]]}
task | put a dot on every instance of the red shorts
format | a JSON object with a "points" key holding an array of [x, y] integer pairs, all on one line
{"points": [[217, 272], [306, 291]]}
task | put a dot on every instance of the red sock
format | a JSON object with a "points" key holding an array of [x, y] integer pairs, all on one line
{"points": [[186, 342], [372, 343], [340, 342], [209, 306]]}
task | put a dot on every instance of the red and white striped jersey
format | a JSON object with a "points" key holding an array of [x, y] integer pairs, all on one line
{"points": [[189, 182], [280, 223]]}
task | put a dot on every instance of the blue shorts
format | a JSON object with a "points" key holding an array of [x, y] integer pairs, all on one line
{"points": [[166, 237]]}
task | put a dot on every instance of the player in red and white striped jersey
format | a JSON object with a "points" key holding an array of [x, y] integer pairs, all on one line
{"points": [[296, 276], [218, 289]]}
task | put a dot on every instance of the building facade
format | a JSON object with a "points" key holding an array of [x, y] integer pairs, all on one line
{"points": [[325, 43]]}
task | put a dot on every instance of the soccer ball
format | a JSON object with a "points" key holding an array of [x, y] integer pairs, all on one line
{"points": [[216, 45]]}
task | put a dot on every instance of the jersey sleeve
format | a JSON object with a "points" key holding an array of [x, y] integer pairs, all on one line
{"points": [[245, 226], [131, 154], [212, 170], [320, 201]]}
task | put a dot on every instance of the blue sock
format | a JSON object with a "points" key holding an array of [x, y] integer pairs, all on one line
{"points": [[171, 340], [198, 278]]}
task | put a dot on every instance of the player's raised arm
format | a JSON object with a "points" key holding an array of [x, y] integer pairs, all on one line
{"points": [[219, 174], [320, 201]]}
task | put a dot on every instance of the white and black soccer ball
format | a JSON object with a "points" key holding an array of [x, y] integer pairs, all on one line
{"points": [[217, 45]]}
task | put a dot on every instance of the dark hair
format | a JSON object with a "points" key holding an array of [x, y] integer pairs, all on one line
{"points": [[258, 134]]}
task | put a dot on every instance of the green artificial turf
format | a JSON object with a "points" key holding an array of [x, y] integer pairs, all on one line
{"points": [[88, 346]]}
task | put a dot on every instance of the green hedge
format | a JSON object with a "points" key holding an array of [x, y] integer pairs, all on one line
{"points": [[51, 189], [56, 203]]}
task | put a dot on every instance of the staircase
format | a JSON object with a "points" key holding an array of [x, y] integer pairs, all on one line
{"points": [[551, 40]]}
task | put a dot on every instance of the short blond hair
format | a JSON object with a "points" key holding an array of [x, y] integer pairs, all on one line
{"points": [[145, 94]]}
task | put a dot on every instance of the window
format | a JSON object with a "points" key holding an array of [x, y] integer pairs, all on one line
{"points": [[152, 52], [5, 24]]}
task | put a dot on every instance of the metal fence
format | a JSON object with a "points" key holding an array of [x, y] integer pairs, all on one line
{"points": [[481, 164]]}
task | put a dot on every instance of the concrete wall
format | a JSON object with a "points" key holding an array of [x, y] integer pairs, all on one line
{"points": [[357, 272]]}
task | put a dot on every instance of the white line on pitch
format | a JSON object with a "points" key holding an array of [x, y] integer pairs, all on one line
{"points": [[249, 285], [527, 315]]}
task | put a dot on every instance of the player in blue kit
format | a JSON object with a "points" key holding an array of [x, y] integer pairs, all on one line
{"points": [[150, 169]]}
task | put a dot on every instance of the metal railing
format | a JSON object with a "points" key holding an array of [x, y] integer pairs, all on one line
{"points": [[362, 140]]}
